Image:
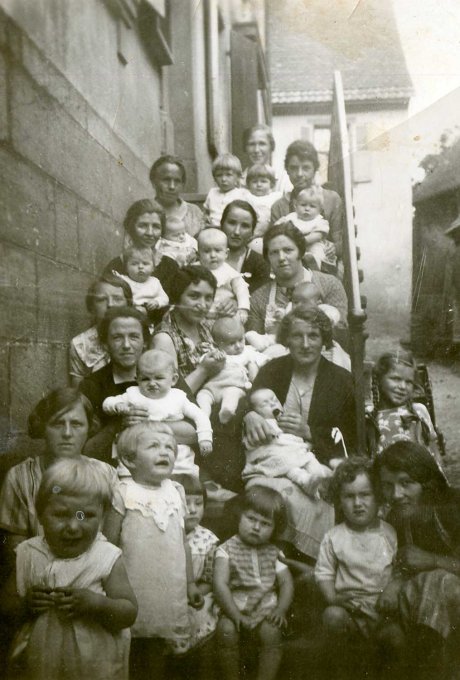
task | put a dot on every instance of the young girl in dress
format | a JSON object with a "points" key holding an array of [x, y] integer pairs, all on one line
{"points": [[202, 543], [395, 416], [252, 587], [157, 555], [73, 583]]}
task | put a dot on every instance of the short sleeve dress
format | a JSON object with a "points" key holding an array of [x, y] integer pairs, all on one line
{"points": [[52, 647], [253, 572]]}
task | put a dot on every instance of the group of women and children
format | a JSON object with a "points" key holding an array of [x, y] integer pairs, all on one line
{"points": [[199, 506]]}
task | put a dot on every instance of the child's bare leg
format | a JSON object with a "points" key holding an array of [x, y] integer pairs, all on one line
{"points": [[270, 651], [205, 400], [337, 621], [228, 648], [230, 399], [337, 632]]}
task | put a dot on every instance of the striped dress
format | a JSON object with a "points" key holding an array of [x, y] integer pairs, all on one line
{"points": [[253, 575]]}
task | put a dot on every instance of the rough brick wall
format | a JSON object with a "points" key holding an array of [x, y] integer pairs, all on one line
{"points": [[66, 180]]}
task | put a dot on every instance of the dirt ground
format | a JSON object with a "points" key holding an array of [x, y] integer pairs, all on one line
{"points": [[445, 381]]}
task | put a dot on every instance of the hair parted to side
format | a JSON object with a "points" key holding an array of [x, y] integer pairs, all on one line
{"points": [[418, 463], [387, 362], [347, 472], [227, 161], [192, 485], [167, 159], [192, 274], [122, 313], [305, 151], [259, 127], [242, 205], [285, 229], [261, 170], [313, 316], [132, 251], [75, 477], [145, 205], [56, 403], [268, 503], [112, 280], [129, 438]]}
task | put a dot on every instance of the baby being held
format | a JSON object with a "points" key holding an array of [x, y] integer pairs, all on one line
{"points": [[308, 206], [176, 243], [212, 252], [156, 377], [261, 181], [240, 369], [286, 455], [148, 293]]}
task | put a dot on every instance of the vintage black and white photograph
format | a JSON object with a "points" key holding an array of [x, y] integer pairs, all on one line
{"points": [[230, 340]]}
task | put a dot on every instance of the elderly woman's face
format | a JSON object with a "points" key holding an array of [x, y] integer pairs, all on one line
{"points": [[147, 229], [258, 147], [400, 490], [66, 432], [304, 342], [195, 302], [284, 256]]}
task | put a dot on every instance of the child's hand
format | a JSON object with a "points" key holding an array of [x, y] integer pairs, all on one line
{"points": [[76, 601], [123, 409], [212, 362], [242, 621], [243, 314], [151, 306], [277, 618], [205, 448], [38, 600], [195, 598]]}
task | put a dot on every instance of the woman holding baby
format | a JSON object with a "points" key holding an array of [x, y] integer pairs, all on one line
{"points": [[315, 397]]}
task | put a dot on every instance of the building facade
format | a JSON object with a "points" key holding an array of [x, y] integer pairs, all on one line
{"points": [[307, 42], [92, 93]]}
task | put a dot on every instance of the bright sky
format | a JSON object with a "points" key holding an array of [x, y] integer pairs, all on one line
{"points": [[430, 36]]}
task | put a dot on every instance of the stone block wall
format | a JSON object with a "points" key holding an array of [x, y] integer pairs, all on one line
{"points": [[67, 176]]}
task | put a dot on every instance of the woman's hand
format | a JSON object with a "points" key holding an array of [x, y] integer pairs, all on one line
{"points": [[227, 307], [257, 430], [136, 414], [293, 423], [415, 559], [388, 600]]}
